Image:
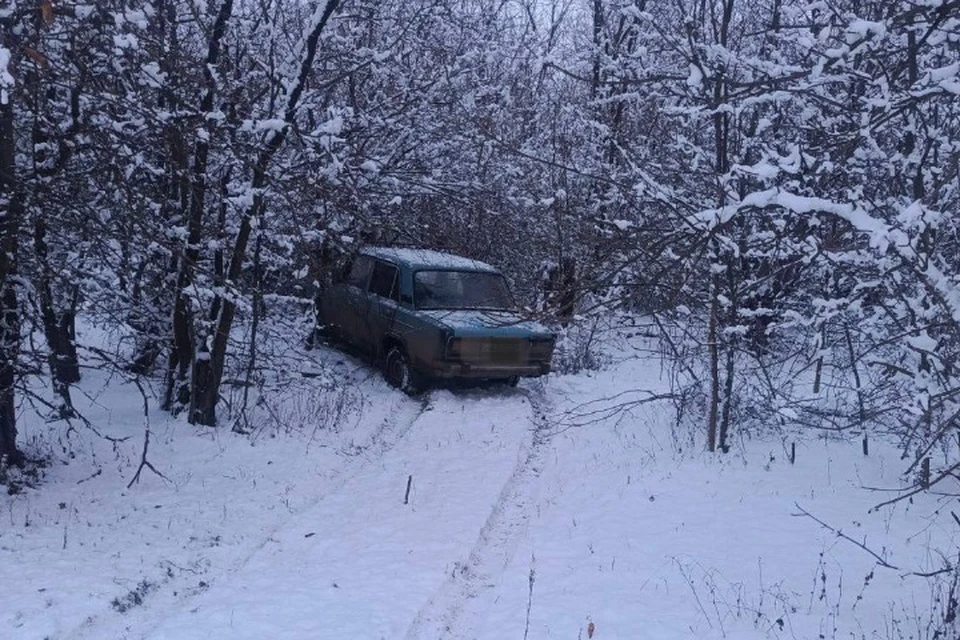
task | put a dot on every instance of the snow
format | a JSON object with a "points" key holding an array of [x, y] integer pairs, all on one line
{"points": [[427, 258], [862, 29], [271, 124], [125, 41], [152, 75], [574, 500], [882, 236], [6, 79], [951, 86], [947, 72], [350, 560], [332, 127], [465, 319]]}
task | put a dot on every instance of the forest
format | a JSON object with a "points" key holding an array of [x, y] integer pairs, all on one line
{"points": [[772, 185]]}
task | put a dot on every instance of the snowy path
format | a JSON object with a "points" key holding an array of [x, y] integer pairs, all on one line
{"points": [[522, 520], [443, 615], [401, 416], [361, 563]]}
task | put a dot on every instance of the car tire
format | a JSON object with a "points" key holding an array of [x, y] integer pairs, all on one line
{"points": [[325, 332], [512, 381], [399, 372]]}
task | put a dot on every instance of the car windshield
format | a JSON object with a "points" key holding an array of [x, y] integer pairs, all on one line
{"points": [[461, 290]]}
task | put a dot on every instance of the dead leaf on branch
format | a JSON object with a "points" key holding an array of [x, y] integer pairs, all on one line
{"points": [[46, 11], [36, 56]]}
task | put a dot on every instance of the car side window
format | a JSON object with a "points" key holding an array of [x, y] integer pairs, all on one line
{"points": [[384, 280], [360, 272]]}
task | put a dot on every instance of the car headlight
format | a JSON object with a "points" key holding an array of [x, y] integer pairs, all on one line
{"points": [[454, 347], [541, 349]]}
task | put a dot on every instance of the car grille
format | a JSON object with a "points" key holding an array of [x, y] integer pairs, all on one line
{"points": [[496, 351]]}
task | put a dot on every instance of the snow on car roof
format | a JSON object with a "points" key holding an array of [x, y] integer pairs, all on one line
{"points": [[427, 259]]}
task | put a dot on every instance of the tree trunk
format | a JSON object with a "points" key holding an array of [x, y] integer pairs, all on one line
{"points": [[187, 350], [568, 290], [11, 211], [9, 348], [598, 24], [58, 326], [714, 355], [258, 310], [721, 130], [57, 323]]}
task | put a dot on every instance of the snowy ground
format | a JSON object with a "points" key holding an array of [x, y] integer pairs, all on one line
{"points": [[532, 513]]}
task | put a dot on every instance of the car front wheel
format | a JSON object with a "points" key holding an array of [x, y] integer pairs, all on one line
{"points": [[400, 373]]}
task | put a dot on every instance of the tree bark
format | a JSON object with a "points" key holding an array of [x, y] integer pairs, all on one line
{"points": [[57, 322], [11, 212], [714, 355], [58, 326], [598, 24], [721, 130], [187, 351]]}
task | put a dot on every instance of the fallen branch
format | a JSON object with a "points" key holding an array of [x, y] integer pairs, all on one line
{"points": [[144, 462], [595, 411], [917, 488], [34, 399], [840, 534]]}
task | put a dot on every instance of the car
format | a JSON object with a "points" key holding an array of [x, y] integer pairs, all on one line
{"points": [[425, 315]]}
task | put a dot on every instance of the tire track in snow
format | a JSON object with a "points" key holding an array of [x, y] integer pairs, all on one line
{"points": [[442, 616], [383, 439], [148, 618]]}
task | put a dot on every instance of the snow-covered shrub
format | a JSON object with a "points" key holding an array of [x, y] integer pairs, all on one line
{"points": [[935, 619], [308, 408], [578, 347]]}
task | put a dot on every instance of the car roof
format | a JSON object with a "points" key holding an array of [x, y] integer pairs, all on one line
{"points": [[427, 259]]}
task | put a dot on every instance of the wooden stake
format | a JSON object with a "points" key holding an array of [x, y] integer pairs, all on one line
{"points": [[406, 496]]}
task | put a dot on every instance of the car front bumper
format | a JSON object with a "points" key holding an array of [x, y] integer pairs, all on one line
{"points": [[479, 371]]}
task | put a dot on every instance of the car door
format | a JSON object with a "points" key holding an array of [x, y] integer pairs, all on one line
{"points": [[384, 300], [347, 303]]}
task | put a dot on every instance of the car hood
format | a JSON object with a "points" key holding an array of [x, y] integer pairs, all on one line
{"points": [[476, 322]]}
